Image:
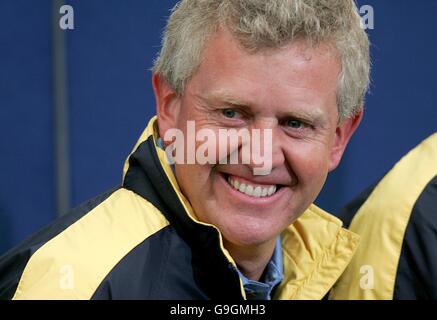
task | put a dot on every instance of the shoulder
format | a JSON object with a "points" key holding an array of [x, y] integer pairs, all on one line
{"points": [[70, 258]]}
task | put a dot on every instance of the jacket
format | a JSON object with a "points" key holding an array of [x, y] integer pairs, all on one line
{"points": [[397, 221], [142, 240]]}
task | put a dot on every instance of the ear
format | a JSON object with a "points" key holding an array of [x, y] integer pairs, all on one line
{"points": [[343, 134], [167, 104]]}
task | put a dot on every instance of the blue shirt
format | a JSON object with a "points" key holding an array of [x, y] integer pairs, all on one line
{"points": [[273, 275]]}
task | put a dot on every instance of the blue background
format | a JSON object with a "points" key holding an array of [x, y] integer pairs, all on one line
{"points": [[110, 100]]}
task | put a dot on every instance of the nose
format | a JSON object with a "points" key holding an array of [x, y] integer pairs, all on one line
{"points": [[266, 150]]}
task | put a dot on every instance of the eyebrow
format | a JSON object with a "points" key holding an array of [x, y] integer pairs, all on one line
{"points": [[315, 115], [225, 97]]}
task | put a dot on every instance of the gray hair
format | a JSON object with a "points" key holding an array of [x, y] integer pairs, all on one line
{"points": [[269, 24]]}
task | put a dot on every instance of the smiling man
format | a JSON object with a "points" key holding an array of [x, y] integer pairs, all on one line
{"points": [[295, 70]]}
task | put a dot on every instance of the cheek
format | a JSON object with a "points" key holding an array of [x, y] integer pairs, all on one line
{"points": [[191, 180], [309, 162]]}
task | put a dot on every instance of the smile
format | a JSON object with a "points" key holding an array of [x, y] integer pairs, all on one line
{"points": [[252, 190]]}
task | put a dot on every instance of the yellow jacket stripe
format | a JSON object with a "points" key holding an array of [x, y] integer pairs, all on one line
{"points": [[316, 251], [74, 263]]}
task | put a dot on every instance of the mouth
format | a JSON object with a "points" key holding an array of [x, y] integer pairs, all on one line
{"points": [[251, 189]]}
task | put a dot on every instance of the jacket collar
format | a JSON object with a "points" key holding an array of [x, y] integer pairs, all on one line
{"points": [[316, 249]]}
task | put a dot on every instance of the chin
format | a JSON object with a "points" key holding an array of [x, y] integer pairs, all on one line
{"points": [[246, 233]]}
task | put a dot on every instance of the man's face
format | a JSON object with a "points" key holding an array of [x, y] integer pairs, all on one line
{"points": [[291, 91]]}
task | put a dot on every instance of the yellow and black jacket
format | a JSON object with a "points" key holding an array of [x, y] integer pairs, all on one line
{"points": [[397, 223], [142, 241]]}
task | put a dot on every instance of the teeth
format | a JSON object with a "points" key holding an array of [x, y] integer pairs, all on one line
{"points": [[242, 188], [236, 185], [253, 191], [249, 190], [264, 192], [271, 191], [257, 192]]}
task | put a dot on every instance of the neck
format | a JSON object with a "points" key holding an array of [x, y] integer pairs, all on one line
{"points": [[251, 260]]}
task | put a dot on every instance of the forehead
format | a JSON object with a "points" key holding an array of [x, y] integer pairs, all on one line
{"points": [[293, 74]]}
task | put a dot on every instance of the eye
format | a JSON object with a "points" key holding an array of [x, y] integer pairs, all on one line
{"points": [[295, 124], [229, 113]]}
